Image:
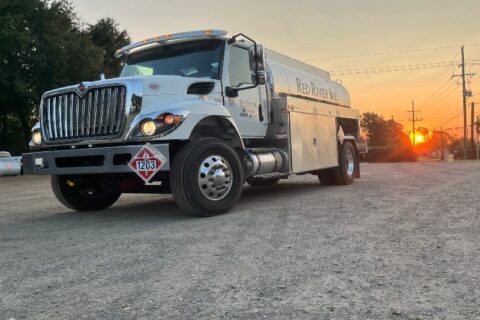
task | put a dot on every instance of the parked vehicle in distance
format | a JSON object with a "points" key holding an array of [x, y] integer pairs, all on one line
{"points": [[195, 114], [9, 166]]}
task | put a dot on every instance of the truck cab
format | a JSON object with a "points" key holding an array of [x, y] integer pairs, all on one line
{"points": [[195, 114]]}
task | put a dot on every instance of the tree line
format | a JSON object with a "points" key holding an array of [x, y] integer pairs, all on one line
{"points": [[388, 141], [45, 45]]}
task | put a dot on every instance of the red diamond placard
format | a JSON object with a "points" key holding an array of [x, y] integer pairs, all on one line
{"points": [[147, 162]]}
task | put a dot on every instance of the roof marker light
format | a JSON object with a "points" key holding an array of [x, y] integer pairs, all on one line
{"points": [[160, 39]]}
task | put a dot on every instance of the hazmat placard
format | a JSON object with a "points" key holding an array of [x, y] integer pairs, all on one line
{"points": [[147, 162]]}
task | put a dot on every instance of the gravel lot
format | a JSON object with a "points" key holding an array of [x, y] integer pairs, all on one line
{"points": [[400, 243]]}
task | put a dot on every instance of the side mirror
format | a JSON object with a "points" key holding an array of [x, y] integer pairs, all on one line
{"points": [[231, 92], [258, 78], [257, 60]]}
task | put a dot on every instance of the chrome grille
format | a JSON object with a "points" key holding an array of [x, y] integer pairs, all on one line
{"points": [[98, 113]]}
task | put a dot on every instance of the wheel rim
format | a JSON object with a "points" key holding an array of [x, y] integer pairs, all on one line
{"points": [[92, 193], [89, 190], [215, 177], [349, 163]]}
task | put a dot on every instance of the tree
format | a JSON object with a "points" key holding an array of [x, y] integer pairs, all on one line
{"points": [[105, 34], [43, 46], [374, 126], [386, 138], [395, 133], [456, 147], [436, 141]]}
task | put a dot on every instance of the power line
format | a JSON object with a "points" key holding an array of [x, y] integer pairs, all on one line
{"points": [[387, 69], [450, 119], [439, 98], [428, 119], [440, 90], [444, 84], [382, 53]]}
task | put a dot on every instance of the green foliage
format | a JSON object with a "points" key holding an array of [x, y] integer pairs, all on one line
{"points": [[106, 36], [386, 138], [375, 127], [43, 46], [456, 147], [435, 141], [400, 153], [381, 132]]}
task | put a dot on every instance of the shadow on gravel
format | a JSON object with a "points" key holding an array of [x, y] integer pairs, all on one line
{"points": [[151, 211], [282, 189], [166, 210]]}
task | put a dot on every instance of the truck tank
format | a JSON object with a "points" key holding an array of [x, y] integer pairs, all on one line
{"points": [[290, 77]]}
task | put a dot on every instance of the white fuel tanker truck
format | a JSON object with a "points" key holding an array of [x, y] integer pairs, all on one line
{"points": [[195, 114]]}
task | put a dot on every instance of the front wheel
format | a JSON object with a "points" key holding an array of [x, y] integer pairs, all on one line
{"points": [[83, 193], [206, 177]]}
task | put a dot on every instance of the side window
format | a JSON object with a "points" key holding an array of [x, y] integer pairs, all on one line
{"points": [[239, 66]]}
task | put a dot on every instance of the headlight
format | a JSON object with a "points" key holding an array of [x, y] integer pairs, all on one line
{"points": [[148, 127], [158, 125], [36, 137]]}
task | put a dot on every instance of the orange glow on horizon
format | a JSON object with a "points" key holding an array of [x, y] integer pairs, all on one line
{"points": [[419, 138]]}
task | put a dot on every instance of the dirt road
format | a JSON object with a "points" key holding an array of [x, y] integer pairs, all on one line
{"points": [[400, 243]]}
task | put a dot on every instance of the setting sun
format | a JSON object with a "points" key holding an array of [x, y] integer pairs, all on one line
{"points": [[419, 138]]}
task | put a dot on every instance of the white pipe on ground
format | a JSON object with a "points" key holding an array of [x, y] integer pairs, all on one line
{"points": [[10, 166]]}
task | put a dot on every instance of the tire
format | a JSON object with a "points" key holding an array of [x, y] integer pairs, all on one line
{"points": [[206, 177], [346, 171], [326, 177], [263, 182], [83, 193]]}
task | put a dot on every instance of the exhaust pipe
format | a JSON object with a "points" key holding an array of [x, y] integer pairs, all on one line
{"points": [[264, 161]]}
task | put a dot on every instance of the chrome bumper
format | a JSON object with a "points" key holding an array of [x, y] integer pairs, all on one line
{"points": [[97, 160]]}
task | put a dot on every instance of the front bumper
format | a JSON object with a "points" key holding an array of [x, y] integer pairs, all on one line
{"points": [[98, 160]]}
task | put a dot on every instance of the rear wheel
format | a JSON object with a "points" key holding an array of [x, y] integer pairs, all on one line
{"points": [[206, 177], [263, 182], [326, 177], [83, 193], [347, 168]]}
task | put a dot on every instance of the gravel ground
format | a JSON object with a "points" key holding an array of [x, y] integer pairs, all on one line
{"points": [[400, 243]]}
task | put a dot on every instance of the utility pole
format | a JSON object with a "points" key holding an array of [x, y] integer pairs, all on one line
{"points": [[472, 123], [413, 119], [442, 155], [478, 131], [464, 96]]}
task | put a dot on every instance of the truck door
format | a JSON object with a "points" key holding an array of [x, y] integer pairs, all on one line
{"points": [[249, 109]]}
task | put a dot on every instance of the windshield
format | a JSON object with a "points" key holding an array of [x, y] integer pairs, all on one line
{"points": [[197, 59]]}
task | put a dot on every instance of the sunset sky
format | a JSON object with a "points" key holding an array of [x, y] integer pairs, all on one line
{"points": [[340, 35]]}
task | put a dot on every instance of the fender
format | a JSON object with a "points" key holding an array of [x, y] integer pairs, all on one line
{"points": [[196, 112], [221, 127]]}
